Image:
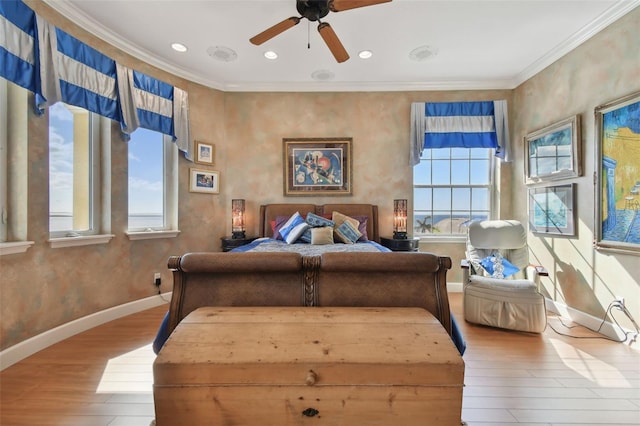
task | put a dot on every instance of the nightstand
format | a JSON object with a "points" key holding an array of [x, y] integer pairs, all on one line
{"points": [[229, 243], [405, 244]]}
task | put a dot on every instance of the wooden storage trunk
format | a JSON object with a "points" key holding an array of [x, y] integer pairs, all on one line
{"points": [[308, 366]]}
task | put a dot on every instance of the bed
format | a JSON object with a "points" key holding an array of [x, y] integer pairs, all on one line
{"points": [[332, 278]]}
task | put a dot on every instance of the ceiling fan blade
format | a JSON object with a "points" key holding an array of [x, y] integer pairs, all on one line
{"points": [[270, 33], [333, 42], [340, 5]]}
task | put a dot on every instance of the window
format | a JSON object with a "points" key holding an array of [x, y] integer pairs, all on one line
{"points": [[13, 162], [451, 187], [73, 178], [146, 181], [153, 185]]}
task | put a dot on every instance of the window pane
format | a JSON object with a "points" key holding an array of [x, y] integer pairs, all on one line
{"points": [[422, 199], [480, 199], [460, 175], [69, 169], [441, 153], [460, 153], [146, 180], [442, 198], [423, 223], [480, 153], [441, 172], [461, 199]]}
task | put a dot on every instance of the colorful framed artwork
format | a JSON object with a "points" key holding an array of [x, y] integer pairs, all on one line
{"points": [[551, 210], [617, 201], [317, 166], [205, 153], [205, 181], [554, 152]]}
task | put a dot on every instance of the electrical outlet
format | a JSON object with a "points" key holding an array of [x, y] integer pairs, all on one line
{"points": [[619, 301], [157, 280]]}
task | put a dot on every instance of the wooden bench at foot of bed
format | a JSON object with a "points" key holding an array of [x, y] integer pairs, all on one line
{"points": [[278, 366], [329, 280]]}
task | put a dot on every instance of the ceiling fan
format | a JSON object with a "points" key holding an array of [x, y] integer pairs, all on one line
{"points": [[314, 10]]}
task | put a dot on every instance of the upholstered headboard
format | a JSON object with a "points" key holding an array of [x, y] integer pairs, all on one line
{"points": [[269, 213]]}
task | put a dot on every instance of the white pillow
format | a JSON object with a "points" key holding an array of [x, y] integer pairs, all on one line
{"points": [[293, 228]]}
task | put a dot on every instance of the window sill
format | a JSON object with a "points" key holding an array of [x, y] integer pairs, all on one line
{"points": [[15, 247], [447, 239], [82, 240], [150, 235]]}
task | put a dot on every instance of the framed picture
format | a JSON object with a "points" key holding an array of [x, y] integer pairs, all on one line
{"points": [[206, 181], [617, 201], [205, 153], [317, 166], [554, 152], [551, 210]]}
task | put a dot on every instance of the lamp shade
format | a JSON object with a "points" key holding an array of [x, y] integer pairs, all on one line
{"points": [[399, 219], [237, 218]]}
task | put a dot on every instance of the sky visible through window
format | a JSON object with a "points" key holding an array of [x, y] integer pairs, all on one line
{"points": [[146, 188], [60, 161]]}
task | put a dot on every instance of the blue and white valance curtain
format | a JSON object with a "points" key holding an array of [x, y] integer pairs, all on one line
{"points": [[481, 124], [58, 67], [18, 45]]}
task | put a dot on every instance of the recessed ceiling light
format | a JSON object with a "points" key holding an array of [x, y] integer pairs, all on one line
{"points": [[222, 53], [423, 53], [270, 54], [179, 47], [322, 75], [365, 54]]}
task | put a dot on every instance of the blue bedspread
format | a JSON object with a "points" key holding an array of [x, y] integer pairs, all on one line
{"points": [[272, 245]]}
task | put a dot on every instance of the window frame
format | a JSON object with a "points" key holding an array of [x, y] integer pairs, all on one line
{"points": [[170, 193], [100, 188], [13, 162], [490, 186]]}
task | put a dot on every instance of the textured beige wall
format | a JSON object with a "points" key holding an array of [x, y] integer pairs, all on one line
{"points": [[46, 287], [601, 70]]}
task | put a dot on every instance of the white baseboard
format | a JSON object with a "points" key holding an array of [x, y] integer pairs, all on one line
{"points": [[607, 328], [20, 351]]}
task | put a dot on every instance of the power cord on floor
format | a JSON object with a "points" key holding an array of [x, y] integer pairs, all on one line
{"points": [[609, 312]]}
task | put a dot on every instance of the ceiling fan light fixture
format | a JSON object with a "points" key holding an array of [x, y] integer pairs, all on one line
{"points": [[365, 54], [223, 54], [270, 54], [179, 47]]}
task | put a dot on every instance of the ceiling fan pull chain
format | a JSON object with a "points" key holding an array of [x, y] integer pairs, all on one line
{"points": [[308, 34]]}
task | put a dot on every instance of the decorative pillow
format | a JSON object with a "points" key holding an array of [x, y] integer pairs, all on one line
{"points": [[498, 267], [277, 224], [347, 233], [340, 218], [362, 227], [322, 235], [316, 221], [293, 228]]}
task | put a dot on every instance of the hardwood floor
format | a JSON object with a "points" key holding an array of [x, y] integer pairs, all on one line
{"points": [[103, 377]]}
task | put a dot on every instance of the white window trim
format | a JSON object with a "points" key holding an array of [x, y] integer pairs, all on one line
{"points": [[80, 240], [171, 155], [15, 247], [95, 124], [13, 133]]}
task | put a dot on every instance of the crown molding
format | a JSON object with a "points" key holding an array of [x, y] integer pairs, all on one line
{"points": [[69, 10], [607, 18]]}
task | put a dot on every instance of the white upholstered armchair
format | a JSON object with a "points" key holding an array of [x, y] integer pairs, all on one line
{"points": [[500, 286]]}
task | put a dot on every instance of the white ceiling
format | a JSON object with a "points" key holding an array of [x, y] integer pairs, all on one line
{"points": [[479, 44]]}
